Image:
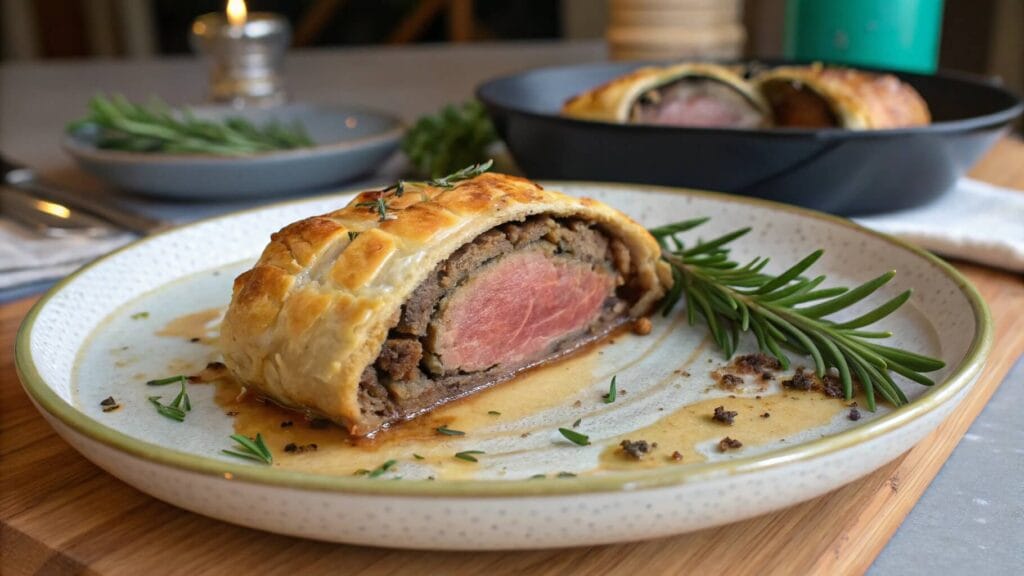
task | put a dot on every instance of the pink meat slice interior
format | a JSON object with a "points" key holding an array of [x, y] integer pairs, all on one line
{"points": [[516, 296]]}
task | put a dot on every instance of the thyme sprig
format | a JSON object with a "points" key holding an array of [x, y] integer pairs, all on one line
{"points": [[251, 449], [788, 310], [379, 203]]}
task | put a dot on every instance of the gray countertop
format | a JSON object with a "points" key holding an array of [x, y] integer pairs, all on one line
{"points": [[971, 519]]}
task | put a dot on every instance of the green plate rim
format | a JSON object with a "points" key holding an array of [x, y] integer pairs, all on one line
{"points": [[964, 374]]}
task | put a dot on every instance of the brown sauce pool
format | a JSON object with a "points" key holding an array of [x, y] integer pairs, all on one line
{"points": [[316, 446]]}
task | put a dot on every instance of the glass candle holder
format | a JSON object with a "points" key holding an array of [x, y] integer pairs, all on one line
{"points": [[246, 58]]}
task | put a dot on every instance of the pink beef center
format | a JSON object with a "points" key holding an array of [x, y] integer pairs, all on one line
{"points": [[515, 310], [703, 104]]}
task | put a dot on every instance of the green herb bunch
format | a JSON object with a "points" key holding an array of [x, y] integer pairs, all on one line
{"points": [[114, 123], [456, 136], [789, 311]]}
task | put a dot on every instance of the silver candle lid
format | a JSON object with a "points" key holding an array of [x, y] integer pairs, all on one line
{"points": [[246, 59]]}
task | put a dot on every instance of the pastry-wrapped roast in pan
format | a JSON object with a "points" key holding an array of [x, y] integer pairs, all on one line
{"points": [[396, 304], [821, 97], [688, 94]]}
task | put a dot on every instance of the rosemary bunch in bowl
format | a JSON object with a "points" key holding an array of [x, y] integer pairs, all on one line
{"points": [[114, 123], [789, 311]]}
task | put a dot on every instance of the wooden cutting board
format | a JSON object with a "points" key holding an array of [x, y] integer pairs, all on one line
{"points": [[60, 514]]}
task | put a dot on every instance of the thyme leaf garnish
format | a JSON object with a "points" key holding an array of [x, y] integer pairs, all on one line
{"points": [[460, 175], [788, 310], [168, 380], [612, 392], [379, 204], [251, 449], [379, 470], [575, 437], [446, 431], [468, 455]]}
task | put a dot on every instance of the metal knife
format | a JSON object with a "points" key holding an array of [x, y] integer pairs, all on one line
{"points": [[29, 183], [50, 218]]}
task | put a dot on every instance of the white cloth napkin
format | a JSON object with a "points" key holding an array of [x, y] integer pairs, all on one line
{"points": [[975, 221], [26, 258]]}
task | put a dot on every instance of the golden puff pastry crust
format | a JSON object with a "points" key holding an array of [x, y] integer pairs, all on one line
{"points": [[859, 100], [613, 101], [314, 311]]}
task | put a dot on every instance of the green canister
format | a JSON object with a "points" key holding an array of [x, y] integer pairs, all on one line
{"points": [[897, 34]]}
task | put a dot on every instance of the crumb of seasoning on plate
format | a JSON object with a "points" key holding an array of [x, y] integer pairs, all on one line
{"points": [[800, 381], [140, 315], [756, 363], [636, 449], [642, 326], [766, 415], [286, 424], [293, 448], [677, 456], [727, 443], [577, 404], [231, 413], [109, 404], [729, 381], [724, 416], [832, 386], [854, 414], [195, 339]]}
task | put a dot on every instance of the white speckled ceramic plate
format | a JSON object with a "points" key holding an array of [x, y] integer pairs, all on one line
{"points": [[125, 319]]}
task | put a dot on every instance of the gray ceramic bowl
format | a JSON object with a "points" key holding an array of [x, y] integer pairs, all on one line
{"points": [[350, 142]]}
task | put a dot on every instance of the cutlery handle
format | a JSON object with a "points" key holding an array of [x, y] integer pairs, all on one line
{"points": [[49, 218], [26, 180]]}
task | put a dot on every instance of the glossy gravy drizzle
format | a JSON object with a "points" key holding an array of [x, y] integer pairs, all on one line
{"points": [[201, 325], [691, 430], [316, 446]]}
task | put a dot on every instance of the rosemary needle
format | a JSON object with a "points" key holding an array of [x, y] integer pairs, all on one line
{"points": [[575, 437]]}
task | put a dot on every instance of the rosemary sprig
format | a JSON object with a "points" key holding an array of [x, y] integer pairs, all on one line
{"points": [[251, 449], [379, 203], [179, 406], [788, 310], [172, 412], [118, 124]]}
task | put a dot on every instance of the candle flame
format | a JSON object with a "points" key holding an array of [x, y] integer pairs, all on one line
{"points": [[237, 12]]}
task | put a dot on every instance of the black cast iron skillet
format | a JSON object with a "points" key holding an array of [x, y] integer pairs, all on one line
{"points": [[839, 171]]}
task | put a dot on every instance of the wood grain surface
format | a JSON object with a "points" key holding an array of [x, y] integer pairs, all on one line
{"points": [[60, 514]]}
